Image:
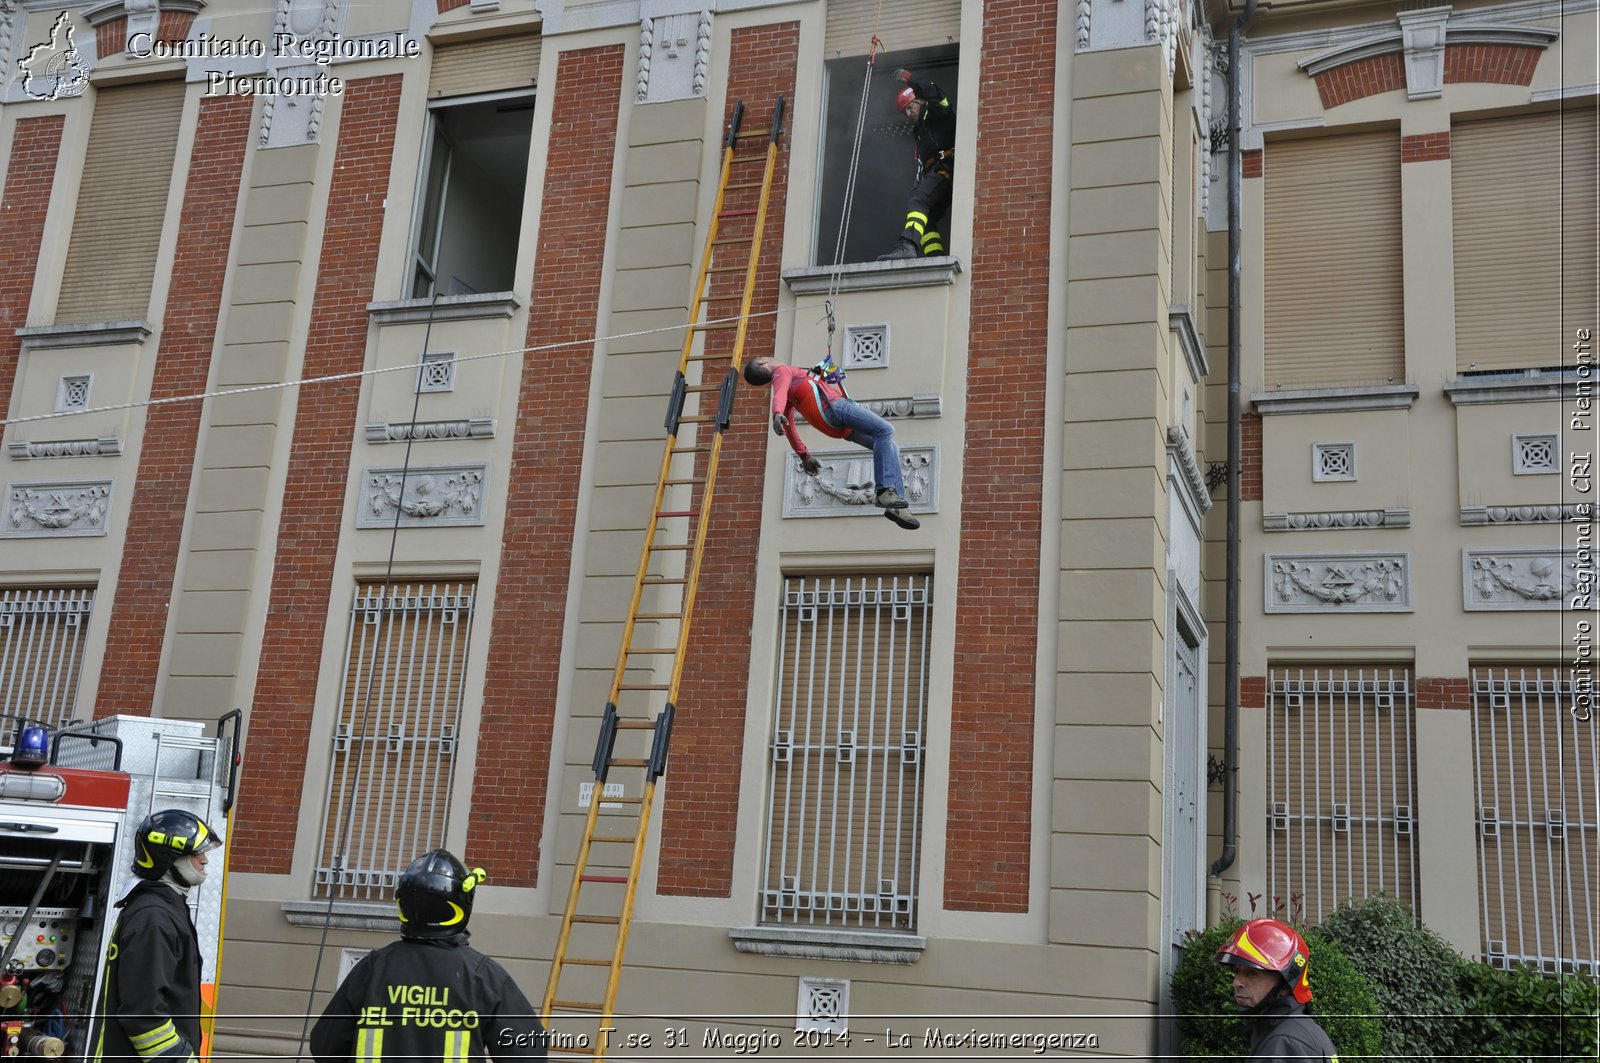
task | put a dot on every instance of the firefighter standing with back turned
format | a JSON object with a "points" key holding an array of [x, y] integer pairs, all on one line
{"points": [[151, 1001], [933, 126], [429, 996]]}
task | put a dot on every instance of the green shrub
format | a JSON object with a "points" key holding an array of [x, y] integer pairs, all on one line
{"points": [[1209, 1027], [1522, 1015], [1413, 970]]}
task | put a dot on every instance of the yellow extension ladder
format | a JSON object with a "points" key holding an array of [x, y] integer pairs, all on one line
{"points": [[594, 926]]}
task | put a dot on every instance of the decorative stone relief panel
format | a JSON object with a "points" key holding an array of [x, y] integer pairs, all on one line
{"points": [[421, 431], [1552, 514], [674, 57], [1339, 583], [287, 120], [22, 450], [1524, 580], [1399, 517], [62, 508], [431, 496], [844, 487]]}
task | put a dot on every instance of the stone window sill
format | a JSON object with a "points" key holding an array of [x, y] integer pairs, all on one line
{"points": [[94, 334], [871, 276], [1335, 400], [347, 915], [808, 943], [1527, 385], [449, 308]]}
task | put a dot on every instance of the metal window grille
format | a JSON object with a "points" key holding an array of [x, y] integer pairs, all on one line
{"points": [[72, 393], [845, 805], [1333, 461], [437, 371], [1538, 826], [866, 346], [1532, 455], [1342, 788], [388, 794], [42, 632]]}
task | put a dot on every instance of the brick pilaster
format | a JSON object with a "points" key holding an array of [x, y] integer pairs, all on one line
{"points": [[988, 834], [1252, 692], [1250, 477], [1425, 147], [23, 205], [702, 797], [519, 696], [313, 511], [171, 431], [1444, 692], [1252, 163]]}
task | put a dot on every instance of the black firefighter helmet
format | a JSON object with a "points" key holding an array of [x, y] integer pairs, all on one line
{"points": [[163, 837], [435, 894]]}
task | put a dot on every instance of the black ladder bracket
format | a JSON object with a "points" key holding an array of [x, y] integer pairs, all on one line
{"points": [[730, 384], [605, 744], [663, 739], [680, 389]]}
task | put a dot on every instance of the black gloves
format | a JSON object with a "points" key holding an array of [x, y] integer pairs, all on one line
{"points": [[780, 424], [902, 74], [810, 466]]}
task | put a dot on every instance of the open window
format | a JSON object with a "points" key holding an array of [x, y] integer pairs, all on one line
{"points": [[887, 167], [469, 197]]}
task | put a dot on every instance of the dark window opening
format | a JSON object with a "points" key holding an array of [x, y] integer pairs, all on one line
{"points": [[887, 167], [469, 202]]}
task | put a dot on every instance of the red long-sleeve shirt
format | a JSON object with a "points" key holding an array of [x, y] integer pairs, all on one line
{"points": [[793, 388]]}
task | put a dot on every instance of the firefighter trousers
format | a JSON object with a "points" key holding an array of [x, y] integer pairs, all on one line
{"points": [[926, 210]]}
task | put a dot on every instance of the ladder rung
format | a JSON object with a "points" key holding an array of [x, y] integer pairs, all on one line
{"points": [[710, 358], [700, 388], [647, 649], [745, 184], [625, 762], [669, 546], [697, 418], [642, 686], [685, 480], [615, 839], [730, 269], [600, 878], [750, 134], [633, 725], [658, 616], [578, 1005], [664, 581], [720, 326], [678, 513], [747, 158], [600, 920], [582, 962], [585, 1052], [737, 213], [702, 449]]}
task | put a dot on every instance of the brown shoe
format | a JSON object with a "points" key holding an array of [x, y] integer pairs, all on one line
{"points": [[889, 498], [903, 518]]}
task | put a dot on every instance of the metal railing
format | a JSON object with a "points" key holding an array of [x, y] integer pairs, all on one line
{"points": [[42, 634]]}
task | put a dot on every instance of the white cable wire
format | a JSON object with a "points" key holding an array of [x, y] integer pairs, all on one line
{"points": [[357, 373]]}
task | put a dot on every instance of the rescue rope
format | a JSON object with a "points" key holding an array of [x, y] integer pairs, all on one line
{"points": [[855, 166], [342, 851], [356, 374]]}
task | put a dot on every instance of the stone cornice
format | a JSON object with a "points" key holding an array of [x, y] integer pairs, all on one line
{"points": [[95, 334], [1181, 319], [1182, 452], [1394, 41], [862, 946], [447, 308], [1532, 385]]}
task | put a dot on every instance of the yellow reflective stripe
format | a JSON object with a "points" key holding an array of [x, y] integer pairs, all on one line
{"points": [[154, 1042], [916, 215], [456, 1045], [369, 1043]]}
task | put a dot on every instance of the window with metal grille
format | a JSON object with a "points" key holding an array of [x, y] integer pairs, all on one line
{"points": [[1341, 791], [1538, 827], [394, 744], [42, 633], [845, 808]]}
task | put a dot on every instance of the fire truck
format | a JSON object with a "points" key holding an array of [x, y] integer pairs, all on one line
{"points": [[69, 803]]}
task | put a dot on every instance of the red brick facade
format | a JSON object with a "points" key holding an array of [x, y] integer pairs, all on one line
{"points": [[1498, 64], [702, 794], [1364, 77], [1443, 693], [313, 499], [23, 204], [519, 696], [1425, 147], [1252, 692], [988, 831], [1251, 163], [183, 362], [1250, 457]]}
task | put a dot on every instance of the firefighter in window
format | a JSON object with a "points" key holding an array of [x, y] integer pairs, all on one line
{"points": [[933, 131], [429, 995], [151, 1000]]}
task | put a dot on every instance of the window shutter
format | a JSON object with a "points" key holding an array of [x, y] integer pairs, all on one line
{"points": [[122, 203], [1334, 293], [492, 65], [1523, 198], [902, 24]]}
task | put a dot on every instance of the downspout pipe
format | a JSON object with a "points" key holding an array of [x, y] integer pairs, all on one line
{"points": [[1230, 694]]}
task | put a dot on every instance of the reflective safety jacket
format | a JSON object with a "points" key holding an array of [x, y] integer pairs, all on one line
{"points": [[935, 130], [413, 1001], [150, 1004]]}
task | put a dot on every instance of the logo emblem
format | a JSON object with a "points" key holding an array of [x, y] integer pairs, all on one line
{"points": [[54, 70]]}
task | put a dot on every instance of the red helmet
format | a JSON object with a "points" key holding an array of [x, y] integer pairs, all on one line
{"points": [[1268, 945], [903, 100]]}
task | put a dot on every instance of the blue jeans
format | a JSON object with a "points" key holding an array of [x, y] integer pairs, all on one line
{"points": [[869, 430]]}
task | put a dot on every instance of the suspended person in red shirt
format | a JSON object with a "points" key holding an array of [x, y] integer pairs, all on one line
{"points": [[933, 128], [825, 406]]}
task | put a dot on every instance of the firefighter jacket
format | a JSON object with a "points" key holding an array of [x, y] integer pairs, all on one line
{"points": [[150, 1003], [935, 130], [1284, 1033], [413, 1001]]}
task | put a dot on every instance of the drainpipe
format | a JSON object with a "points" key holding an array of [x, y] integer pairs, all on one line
{"points": [[1230, 703]]}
